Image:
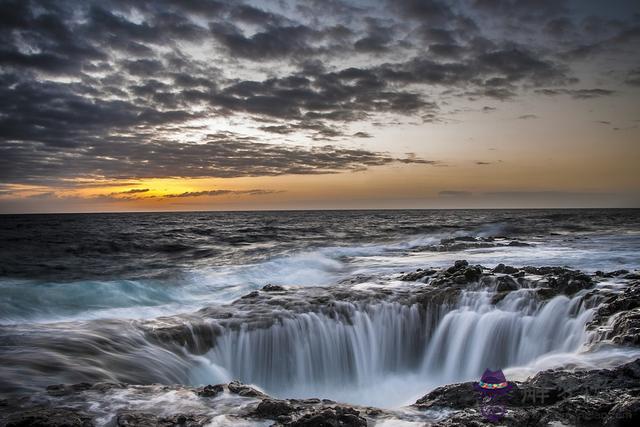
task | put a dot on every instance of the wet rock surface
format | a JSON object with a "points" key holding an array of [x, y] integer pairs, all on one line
{"points": [[550, 281], [470, 242], [555, 397], [609, 397], [597, 397], [427, 287], [51, 417], [231, 404]]}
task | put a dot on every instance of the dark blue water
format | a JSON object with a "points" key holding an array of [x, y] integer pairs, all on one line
{"points": [[71, 247]]}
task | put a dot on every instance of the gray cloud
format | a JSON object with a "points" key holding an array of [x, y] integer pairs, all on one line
{"points": [[577, 93], [102, 89], [221, 155]]}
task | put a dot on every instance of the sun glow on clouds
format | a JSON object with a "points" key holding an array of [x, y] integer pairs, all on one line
{"points": [[107, 105], [160, 190]]}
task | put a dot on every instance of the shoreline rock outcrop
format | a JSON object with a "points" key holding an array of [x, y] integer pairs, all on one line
{"points": [[609, 397]]}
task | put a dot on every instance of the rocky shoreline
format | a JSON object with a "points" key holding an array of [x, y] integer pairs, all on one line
{"points": [[577, 397], [609, 397]]}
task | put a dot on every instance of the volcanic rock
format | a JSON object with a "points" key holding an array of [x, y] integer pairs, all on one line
{"points": [[553, 397], [210, 390], [240, 389], [272, 409], [506, 284], [507, 269], [50, 417], [339, 416]]}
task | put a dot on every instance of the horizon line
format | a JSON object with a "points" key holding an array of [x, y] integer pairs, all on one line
{"points": [[320, 210]]}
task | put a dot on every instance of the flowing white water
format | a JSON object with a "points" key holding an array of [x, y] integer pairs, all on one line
{"points": [[388, 354]]}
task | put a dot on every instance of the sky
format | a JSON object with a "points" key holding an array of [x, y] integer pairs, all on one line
{"points": [[153, 105]]}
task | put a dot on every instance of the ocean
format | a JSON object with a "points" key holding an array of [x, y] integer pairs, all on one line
{"points": [[108, 297]]}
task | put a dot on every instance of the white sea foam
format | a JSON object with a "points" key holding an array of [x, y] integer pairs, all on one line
{"points": [[24, 301]]}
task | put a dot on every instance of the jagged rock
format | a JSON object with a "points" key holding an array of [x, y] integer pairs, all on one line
{"points": [[457, 266], [625, 329], [454, 396], [578, 410], [546, 293], [210, 390], [143, 419], [417, 275], [137, 419], [457, 244], [615, 273], [597, 397], [272, 409], [339, 416], [626, 413], [197, 336], [185, 420], [50, 417], [542, 271], [507, 269], [591, 397], [506, 284], [458, 239], [628, 299], [252, 294], [272, 288], [518, 244], [570, 282], [244, 390], [472, 274]]}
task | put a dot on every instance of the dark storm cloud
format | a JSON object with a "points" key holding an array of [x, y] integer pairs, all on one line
{"points": [[450, 50], [222, 155], [522, 9], [349, 95], [628, 37], [273, 43], [560, 27], [253, 15], [107, 89], [434, 12], [577, 93], [143, 67]]}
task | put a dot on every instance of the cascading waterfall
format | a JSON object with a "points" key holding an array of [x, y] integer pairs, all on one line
{"points": [[478, 335], [351, 353]]}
